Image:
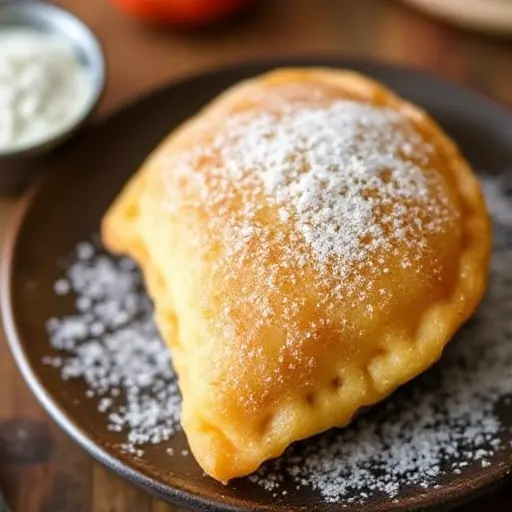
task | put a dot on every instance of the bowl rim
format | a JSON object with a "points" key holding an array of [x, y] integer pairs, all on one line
{"points": [[98, 86]]}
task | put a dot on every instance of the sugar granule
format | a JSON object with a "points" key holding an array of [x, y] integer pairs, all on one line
{"points": [[441, 424], [61, 287]]}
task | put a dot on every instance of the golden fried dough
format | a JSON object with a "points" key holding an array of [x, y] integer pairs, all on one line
{"points": [[310, 241]]}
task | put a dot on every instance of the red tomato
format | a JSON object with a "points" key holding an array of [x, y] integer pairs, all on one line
{"points": [[180, 12]]}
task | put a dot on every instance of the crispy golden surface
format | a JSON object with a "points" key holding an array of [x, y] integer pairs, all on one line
{"points": [[311, 242]]}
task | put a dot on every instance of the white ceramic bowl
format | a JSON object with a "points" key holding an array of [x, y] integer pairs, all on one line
{"points": [[19, 165]]}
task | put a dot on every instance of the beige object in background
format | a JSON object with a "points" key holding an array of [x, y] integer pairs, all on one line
{"points": [[311, 242], [492, 16]]}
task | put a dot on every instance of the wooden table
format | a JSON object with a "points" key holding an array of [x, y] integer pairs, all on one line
{"points": [[40, 468]]}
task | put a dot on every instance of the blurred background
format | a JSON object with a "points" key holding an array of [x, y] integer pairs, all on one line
{"points": [[147, 45], [151, 42]]}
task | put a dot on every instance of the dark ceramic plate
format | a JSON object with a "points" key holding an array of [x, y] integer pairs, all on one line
{"points": [[67, 207]]}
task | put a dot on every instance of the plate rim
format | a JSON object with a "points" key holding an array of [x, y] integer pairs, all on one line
{"points": [[444, 497]]}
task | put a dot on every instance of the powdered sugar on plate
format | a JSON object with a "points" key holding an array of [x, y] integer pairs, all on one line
{"points": [[436, 427], [112, 344]]}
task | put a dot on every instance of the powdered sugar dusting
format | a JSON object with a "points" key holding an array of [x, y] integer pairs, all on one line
{"points": [[350, 175], [112, 344], [334, 169], [324, 196], [432, 430]]}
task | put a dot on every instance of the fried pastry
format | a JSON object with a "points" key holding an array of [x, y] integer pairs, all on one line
{"points": [[311, 241]]}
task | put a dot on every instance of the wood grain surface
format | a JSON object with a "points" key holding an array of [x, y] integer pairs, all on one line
{"points": [[40, 468]]}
